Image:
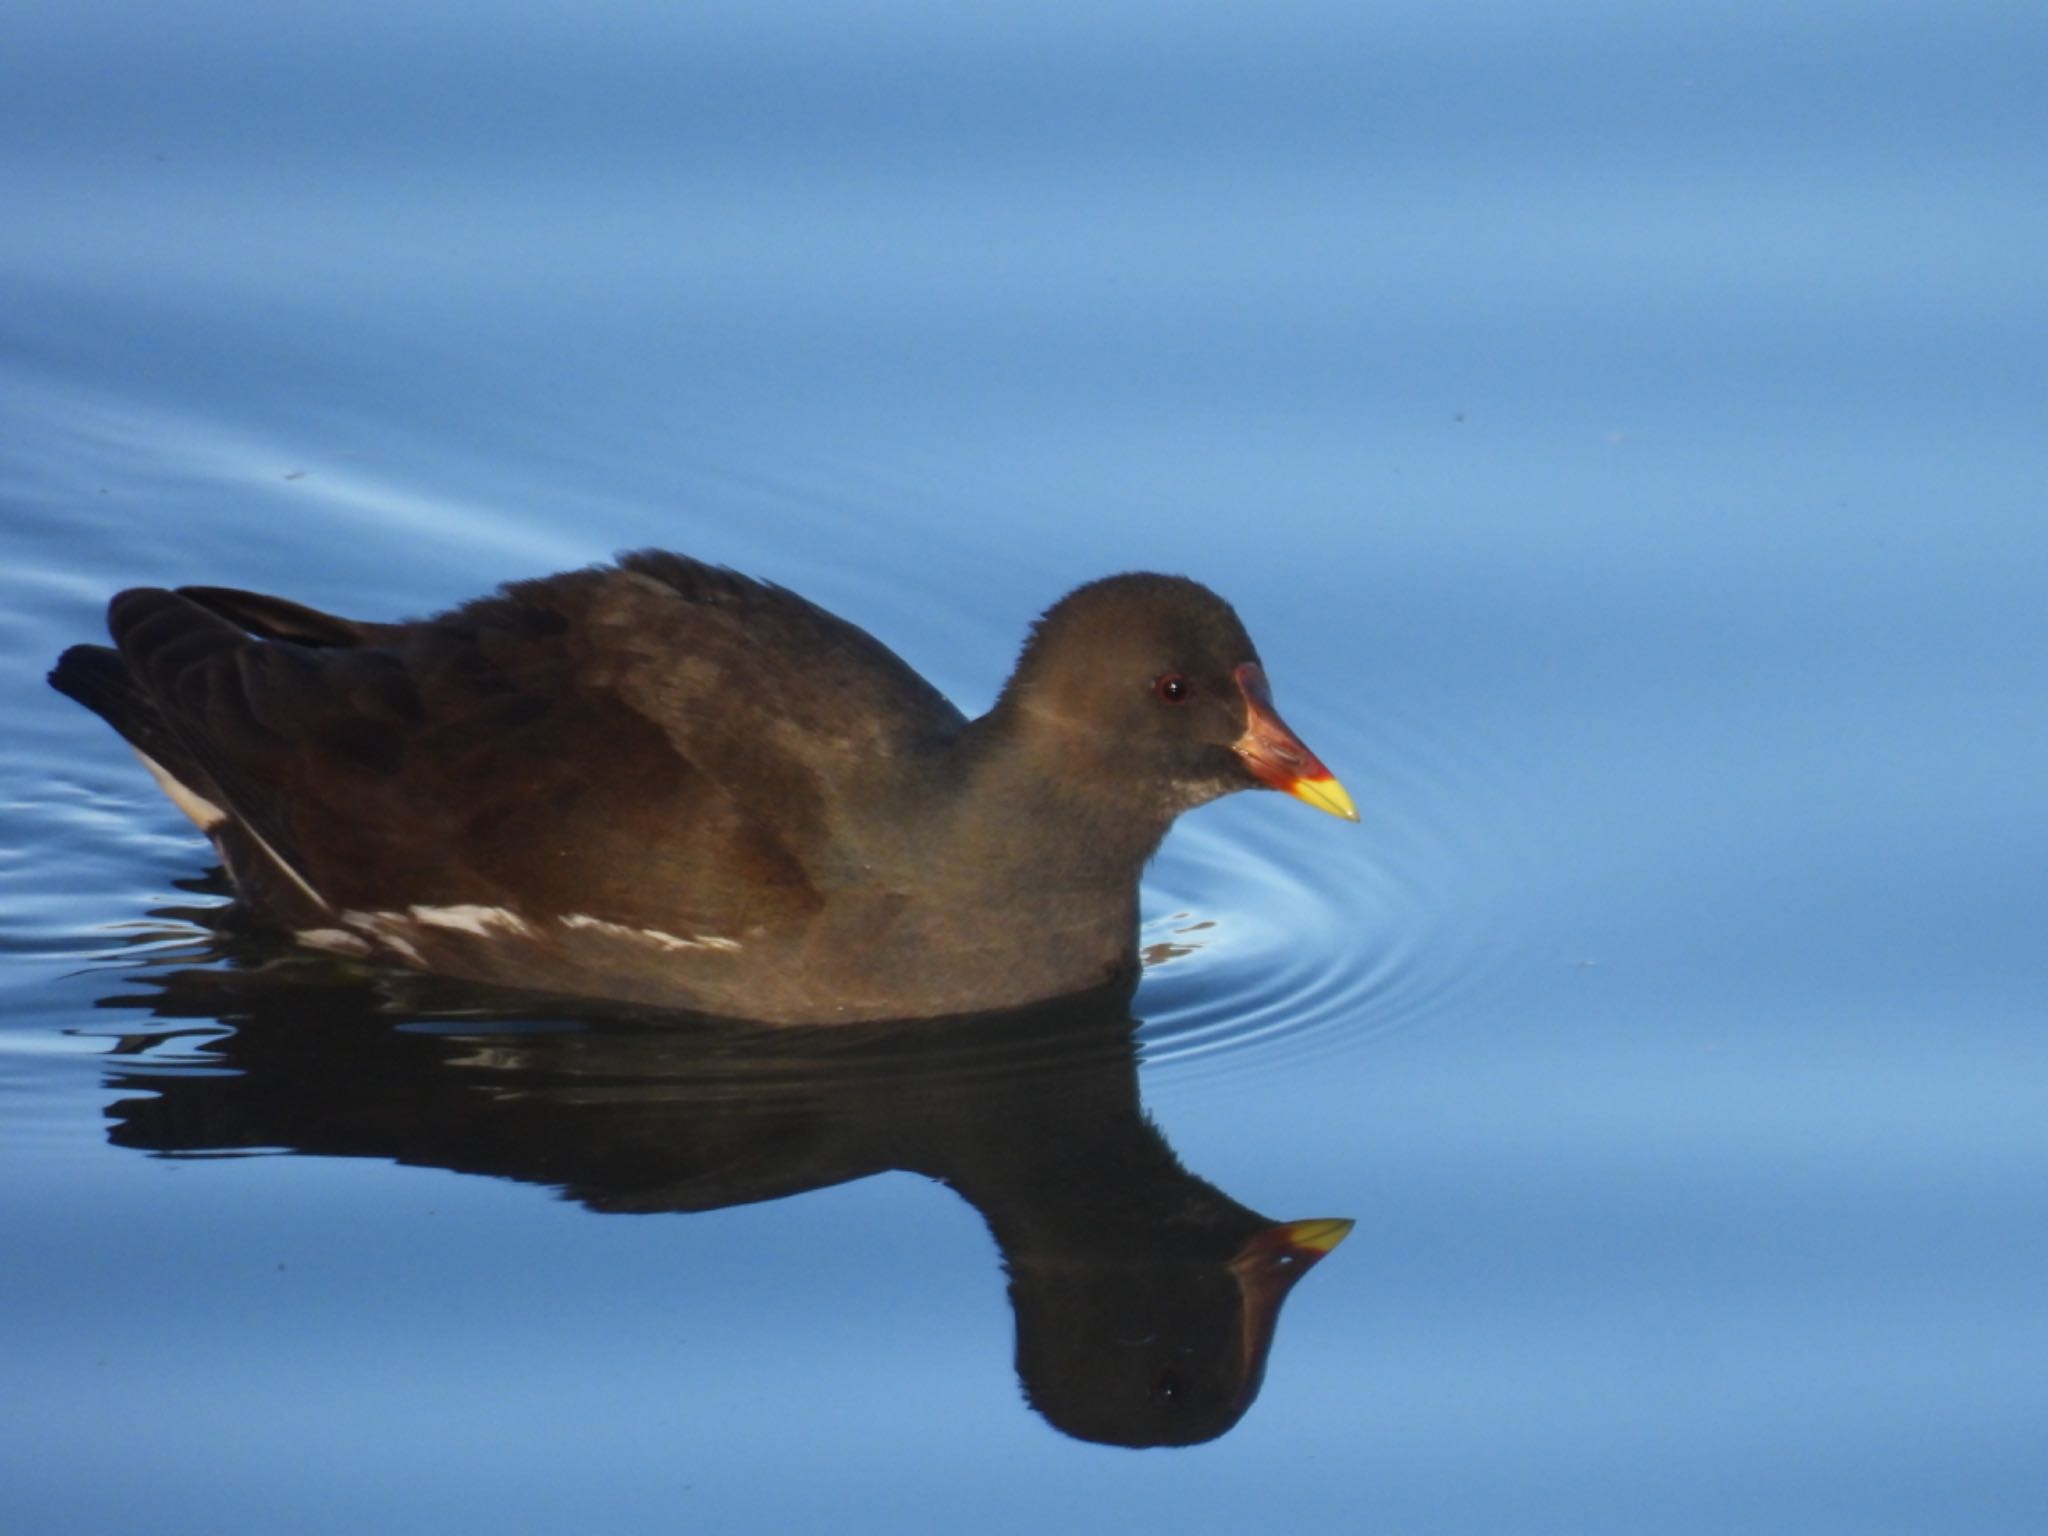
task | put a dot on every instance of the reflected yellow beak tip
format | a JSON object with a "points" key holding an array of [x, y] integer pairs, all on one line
{"points": [[1325, 794], [1320, 1235]]}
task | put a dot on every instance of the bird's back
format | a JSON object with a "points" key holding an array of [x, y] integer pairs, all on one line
{"points": [[654, 765]]}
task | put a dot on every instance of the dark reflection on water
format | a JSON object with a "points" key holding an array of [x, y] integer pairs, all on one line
{"points": [[1145, 1298]]}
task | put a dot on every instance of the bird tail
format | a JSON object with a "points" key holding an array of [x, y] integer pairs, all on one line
{"points": [[97, 677]]}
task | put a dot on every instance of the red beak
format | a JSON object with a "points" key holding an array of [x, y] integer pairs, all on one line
{"points": [[1275, 755]]}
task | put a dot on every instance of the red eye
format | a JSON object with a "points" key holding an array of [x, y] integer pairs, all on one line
{"points": [[1174, 688]]}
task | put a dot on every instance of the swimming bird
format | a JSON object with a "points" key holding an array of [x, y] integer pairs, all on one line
{"points": [[662, 782]]}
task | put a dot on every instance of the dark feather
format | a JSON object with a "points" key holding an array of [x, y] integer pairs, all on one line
{"points": [[662, 781]]}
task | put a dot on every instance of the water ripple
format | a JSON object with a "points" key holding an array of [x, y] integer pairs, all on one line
{"points": [[1281, 943]]}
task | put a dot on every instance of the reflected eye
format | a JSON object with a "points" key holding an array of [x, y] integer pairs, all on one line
{"points": [[1173, 688]]}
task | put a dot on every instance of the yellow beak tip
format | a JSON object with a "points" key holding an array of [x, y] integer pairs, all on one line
{"points": [[1325, 795], [1319, 1236]]}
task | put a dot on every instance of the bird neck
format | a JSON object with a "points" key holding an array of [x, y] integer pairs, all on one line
{"points": [[1045, 806]]}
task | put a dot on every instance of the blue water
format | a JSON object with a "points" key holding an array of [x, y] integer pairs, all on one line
{"points": [[1625, 432]]}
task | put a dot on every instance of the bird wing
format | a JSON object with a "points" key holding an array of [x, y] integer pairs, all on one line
{"points": [[660, 743]]}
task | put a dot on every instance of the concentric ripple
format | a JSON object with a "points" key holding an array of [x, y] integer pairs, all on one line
{"points": [[1273, 938]]}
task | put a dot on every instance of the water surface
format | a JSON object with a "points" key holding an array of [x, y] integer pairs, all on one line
{"points": [[1625, 434]]}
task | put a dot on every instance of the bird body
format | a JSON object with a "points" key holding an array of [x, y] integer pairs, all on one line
{"points": [[663, 782]]}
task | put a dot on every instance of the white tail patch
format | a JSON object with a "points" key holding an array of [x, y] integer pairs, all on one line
{"points": [[660, 940], [204, 813], [210, 818]]}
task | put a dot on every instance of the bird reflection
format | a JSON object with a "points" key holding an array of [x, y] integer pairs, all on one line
{"points": [[1145, 1298]]}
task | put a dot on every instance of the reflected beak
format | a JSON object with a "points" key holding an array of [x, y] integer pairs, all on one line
{"points": [[1311, 1240], [1280, 1255], [1266, 1269], [1275, 756]]}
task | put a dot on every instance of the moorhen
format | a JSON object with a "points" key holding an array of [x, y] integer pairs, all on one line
{"points": [[662, 782]]}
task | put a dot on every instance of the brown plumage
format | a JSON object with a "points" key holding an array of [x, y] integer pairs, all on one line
{"points": [[663, 782]]}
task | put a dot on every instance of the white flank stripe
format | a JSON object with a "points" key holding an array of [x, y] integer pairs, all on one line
{"points": [[654, 936], [333, 940], [473, 919], [380, 926]]}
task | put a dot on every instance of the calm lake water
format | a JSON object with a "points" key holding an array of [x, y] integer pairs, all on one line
{"points": [[1625, 431]]}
